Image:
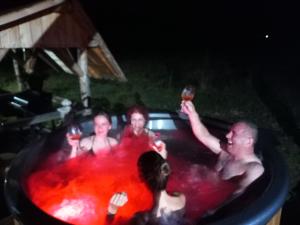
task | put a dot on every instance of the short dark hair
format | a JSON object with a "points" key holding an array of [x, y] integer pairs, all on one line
{"points": [[137, 109], [252, 129], [154, 170]]}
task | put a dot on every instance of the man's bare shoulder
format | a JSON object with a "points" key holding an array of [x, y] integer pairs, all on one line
{"points": [[253, 160], [255, 168]]}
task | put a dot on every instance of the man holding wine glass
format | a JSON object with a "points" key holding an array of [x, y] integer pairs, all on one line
{"points": [[236, 157]]}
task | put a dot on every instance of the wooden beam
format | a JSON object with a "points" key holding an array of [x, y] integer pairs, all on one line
{"points": [[28, 11], [107, 58], [84, 80], [68, 60], [3, 52], [47, 61], [20, 82], [29, 64], [82, 20], [58, 61]]}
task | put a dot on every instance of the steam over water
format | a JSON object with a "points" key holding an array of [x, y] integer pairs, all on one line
{"points": [[78, 190]]}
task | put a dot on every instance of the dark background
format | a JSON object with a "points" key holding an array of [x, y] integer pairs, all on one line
{"points": [[195, 25]]}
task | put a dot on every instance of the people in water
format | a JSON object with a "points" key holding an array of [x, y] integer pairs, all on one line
{"points": [[237, 156]]}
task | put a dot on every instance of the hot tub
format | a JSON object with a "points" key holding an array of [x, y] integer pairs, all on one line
{"points": [[256, 206]]}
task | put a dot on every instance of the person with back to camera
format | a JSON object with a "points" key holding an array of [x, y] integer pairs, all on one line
{"points": [[154, 170], [119, 199], [99, 142], [237, 156]]}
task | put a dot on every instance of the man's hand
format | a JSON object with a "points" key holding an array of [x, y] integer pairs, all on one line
{"points": [[188, 107]]}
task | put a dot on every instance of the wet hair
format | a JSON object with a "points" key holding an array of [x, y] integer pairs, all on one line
{"points": [[154, 170], [137, 109], [104, 114], [252, 129]]}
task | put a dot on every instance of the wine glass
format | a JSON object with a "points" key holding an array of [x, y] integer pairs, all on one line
{"points": [[74, 132], [155, 140], [187, 94], [74, 135]]}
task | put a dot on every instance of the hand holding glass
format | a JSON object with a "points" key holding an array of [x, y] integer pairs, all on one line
{"points": [[188, 93], [74, 132], [74, 135]]}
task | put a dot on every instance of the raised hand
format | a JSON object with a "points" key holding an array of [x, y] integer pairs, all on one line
{"points": [[187, 107], [160, 147], [118, 199]]}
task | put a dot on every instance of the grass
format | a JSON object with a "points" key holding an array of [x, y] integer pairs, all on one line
{"points": [[224, 90]]}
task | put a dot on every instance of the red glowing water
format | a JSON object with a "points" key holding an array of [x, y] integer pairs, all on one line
{"points": [[78, 190]]}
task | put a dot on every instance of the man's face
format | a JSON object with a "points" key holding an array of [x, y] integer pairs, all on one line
{"points": [[137, 123], [238, 137]]}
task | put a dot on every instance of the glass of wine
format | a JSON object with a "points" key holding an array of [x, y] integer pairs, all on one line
{"points": [[154, 141], [187, 94], [74, 132]]}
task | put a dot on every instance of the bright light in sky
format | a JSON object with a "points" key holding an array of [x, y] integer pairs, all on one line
{"points": [[267, 36]]}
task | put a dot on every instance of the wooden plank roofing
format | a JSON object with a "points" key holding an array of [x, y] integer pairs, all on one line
{"points": [[57, 24]]}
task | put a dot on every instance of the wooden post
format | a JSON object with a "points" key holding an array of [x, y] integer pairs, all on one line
{"points": [[3, 52], [20, 83], [275, 219], [84, 80]]}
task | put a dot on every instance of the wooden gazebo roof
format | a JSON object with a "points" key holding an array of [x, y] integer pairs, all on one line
{"points": [[57, 26]]}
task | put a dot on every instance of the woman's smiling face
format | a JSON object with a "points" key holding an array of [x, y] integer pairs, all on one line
{"points": [[137, 122], [101, 125]]}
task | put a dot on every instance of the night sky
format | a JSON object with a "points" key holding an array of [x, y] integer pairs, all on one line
{"points": [[194, 25]]}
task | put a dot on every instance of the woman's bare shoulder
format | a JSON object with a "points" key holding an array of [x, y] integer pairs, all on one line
{"points": [[87, 139], [149, 132], [113, 141]]}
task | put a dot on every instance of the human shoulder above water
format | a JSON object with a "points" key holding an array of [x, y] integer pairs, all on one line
{"points": [[237, 156], [168, 208], [98, 142]]}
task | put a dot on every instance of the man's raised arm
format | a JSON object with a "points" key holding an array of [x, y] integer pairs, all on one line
{"points": [[199, 130]]}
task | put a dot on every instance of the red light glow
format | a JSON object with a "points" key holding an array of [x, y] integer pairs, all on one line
{"points": [[78, 190]]}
